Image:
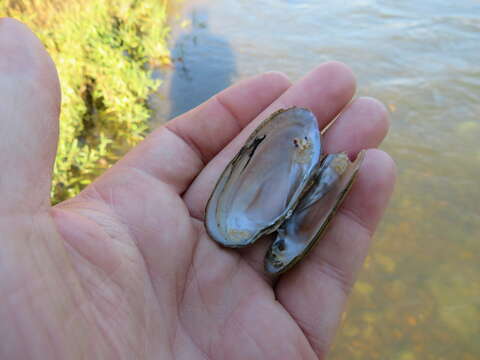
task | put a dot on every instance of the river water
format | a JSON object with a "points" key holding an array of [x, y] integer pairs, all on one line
{"points": [[418, 296]]}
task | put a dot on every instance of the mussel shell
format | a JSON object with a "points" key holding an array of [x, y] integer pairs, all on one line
{"points": [[296, 237], [262, 185]]}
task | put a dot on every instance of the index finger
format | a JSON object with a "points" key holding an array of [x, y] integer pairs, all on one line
{"points": [[178, 151]]}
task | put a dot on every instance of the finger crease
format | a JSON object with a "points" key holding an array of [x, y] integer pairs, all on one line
{"points": [[187, 141], [334, 272], [230, 112], [356, 219]]}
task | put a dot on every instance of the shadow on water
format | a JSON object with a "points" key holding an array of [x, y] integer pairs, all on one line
{"points": [[204, 65]]}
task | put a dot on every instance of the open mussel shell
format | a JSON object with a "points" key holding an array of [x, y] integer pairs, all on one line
{"points": [[299, 233], [262, 185]]}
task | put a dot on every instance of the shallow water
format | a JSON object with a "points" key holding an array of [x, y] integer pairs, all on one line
{"points": [[418, 296]]}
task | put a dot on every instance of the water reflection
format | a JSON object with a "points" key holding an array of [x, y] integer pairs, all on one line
{"points": [[204, 65]]}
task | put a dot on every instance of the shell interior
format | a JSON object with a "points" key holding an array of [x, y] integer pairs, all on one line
{"points": [[261, 185], [312, 216]]}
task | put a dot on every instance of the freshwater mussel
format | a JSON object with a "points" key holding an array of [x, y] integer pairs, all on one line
{"points": [[280, 181]]}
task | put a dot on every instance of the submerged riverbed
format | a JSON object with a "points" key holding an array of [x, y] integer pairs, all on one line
{"points": [[418, 296]]}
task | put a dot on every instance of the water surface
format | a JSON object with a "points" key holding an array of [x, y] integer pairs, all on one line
{"points": [[418, 296]]}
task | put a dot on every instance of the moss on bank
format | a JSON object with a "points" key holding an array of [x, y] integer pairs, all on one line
{"points": [[102, 49]]}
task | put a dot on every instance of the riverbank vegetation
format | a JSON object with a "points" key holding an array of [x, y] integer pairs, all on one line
{"points": [[103, 50]]}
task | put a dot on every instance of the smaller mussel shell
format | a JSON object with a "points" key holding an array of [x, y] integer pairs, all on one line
{"points": [[262, 185], [299, 233]]}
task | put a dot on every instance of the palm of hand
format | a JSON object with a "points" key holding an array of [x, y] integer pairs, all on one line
{"points": [[126, 270]]}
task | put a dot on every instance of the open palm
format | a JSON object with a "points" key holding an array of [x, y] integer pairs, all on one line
{"points": [[126, 270]]}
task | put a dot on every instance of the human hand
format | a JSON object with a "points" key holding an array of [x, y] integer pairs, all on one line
{"points": [[125, 270]]}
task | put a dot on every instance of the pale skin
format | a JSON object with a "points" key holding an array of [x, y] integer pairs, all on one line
{"points": [[125, 270]]}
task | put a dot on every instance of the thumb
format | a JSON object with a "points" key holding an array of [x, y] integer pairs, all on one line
{"points": [[29, 109]]}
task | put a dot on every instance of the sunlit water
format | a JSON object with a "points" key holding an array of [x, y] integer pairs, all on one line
{"points": [[418, 296]]}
